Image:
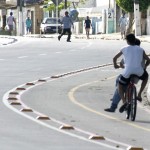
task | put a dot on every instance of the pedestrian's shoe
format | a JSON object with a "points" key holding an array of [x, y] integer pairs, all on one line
{"points": [[59, 37], [109, 110], [122, 108], [68, 41]]}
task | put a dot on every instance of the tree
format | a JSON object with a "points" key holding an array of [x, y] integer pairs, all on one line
{"points": [[128, 6], [61, 4]]}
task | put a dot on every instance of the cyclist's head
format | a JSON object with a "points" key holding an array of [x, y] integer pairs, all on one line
{"points": [[137, 42], [130, 39]]}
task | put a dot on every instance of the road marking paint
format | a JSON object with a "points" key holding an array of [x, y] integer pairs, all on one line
{"points": [[42, 54], [22, 57], [72, 98], [52, 127], [58, 52]]}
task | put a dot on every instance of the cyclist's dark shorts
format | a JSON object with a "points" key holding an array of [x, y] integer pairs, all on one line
{"points": [[125, 81]]}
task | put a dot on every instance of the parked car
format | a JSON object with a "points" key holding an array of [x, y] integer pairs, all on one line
{"points": [[50, 25]]}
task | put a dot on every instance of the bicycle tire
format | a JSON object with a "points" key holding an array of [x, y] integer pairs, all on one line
{"points": [[133, 103], [128, 99], [128, 111]]}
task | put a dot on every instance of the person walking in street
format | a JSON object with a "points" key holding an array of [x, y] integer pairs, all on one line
{"points": [[28, 25], [88, 25], [11, 22], [67, 23], [122, 25]]}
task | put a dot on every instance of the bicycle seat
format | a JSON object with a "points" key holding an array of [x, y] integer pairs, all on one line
{"points": [[134, 78]]}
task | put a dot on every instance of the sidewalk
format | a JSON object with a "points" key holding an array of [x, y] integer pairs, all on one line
{"points": [[114, 36]]}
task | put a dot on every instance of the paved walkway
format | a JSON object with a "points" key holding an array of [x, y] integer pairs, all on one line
{"points": [[113, 36]]}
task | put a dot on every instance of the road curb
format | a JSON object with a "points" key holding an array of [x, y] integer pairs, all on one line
{"points": [[9, 40]]}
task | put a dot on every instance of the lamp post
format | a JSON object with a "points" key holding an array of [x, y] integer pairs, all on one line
{"points": [[137, 18], [65, 4], [20, 17], [57, 16]]}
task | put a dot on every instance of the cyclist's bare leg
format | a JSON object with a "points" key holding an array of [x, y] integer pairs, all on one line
{"points": [[121, 92], [143, 84]]}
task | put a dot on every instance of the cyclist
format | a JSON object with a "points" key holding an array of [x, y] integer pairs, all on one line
{"points": [[116, 97], [133, 57]]}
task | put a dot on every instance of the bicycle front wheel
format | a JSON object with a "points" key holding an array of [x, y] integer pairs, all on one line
{"points": [[133, 103], [128, 99]]}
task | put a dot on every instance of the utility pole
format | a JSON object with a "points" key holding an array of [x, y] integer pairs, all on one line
{"points": [[137, 18], [65, 4], [20, 17]]}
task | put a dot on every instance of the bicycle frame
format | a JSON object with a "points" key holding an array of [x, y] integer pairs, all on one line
{"points": [[131, 100]]}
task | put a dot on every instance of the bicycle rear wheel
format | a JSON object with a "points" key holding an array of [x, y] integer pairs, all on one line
{"points": [[133, 103]]}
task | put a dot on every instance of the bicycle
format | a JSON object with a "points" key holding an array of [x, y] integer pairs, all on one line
{"points": [[130, 96]]}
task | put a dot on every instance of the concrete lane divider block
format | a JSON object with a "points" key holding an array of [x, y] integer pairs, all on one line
{"points": [[41, 80], [96, 137], [14, 93], [21, 88], [30, 83], [134, 148], [54, 77], [42, 118], [12, 98], [26, 110], [66, 127], [15, 103]]}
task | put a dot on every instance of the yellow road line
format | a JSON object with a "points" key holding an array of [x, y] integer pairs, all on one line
{"points": [[72, 98]]}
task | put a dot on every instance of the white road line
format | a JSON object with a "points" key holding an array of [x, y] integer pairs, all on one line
{"points": [[73, 50], [2, 59], [5, 101], [58, 52], [22, 57], [42, 54]]}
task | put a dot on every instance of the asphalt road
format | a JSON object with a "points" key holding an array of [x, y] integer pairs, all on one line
{"points": [[65, 97]]}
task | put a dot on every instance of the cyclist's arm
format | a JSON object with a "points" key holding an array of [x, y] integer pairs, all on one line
{"points": [[115, 59], [147, 59]]}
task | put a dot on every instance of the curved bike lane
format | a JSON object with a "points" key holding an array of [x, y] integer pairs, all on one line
{"points": [[13, 100]]}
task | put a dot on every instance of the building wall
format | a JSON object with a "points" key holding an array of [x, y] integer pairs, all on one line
{"points": [[38, 16], [88, 4]]}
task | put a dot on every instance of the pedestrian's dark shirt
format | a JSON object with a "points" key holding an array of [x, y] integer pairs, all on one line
{"points": [[87, 23]]}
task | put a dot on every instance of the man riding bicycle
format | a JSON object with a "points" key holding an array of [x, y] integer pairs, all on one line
{"points": [[133, 57], [116, 97]]}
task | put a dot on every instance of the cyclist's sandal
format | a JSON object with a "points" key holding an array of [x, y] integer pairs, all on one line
{"points": [[122, 108], [139, 99]]}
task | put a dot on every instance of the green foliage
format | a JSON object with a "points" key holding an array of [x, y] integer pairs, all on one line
{"points": [[128, 5], [60, 6]]}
